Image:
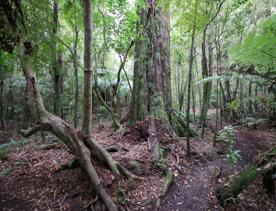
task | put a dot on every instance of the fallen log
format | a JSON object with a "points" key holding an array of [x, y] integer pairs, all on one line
{"points": [[265, 166]]}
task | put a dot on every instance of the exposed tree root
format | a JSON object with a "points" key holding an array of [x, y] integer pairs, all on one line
{"points": [[70, 165]]}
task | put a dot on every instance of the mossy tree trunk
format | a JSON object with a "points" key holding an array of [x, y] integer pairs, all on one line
{"points": [[152, 81]]}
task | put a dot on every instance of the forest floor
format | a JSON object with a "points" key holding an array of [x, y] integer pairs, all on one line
{"points": [[31, 177]]}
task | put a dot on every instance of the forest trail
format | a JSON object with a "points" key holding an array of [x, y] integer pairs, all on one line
{"points": [[196, 190]]}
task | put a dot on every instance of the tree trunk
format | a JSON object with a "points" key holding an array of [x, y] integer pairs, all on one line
{"points": [[57, 63], [87, 89], [75, 57], [151, 85], [250, 106], [191, 62], [2, 121], [206, 72]]}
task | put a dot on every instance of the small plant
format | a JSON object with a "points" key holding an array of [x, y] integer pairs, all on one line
{"points": [[121, 195], [3, 154], [161, 163], [253, 122], [227, 135]]}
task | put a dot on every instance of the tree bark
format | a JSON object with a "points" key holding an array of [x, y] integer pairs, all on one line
{"points": [[57, 63], [87, 89], [151, 87], [206, 72], [75, 57], [191, 61]]}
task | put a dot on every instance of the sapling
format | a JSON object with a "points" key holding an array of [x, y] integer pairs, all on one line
{"points": [[227, 135]]}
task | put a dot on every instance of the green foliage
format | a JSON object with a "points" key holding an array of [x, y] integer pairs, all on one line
{"points": [[3, 154], [258, 48], [121, 195], [254, 121], [227, 135], [234, 105]]}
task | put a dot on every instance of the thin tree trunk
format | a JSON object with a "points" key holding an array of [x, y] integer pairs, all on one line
{"points": [[198, 86], [116, 124], [75, 57], [241, 102], [250, 106], [206, 71], [191, 61], [87, 89], [194, 102], [2, 121], [217, 116]]}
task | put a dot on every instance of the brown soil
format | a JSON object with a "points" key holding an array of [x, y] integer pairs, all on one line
{"points": [[35, 181]]}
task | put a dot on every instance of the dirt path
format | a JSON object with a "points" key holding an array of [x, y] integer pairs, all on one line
{"points": [[196, 191]]}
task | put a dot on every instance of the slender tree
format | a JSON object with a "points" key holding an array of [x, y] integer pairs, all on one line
{"points": [[206, 70], [57, 63], [87, 89], [2, 121], [191, 61]]}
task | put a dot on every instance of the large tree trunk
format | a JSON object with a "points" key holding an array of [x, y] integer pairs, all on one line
{"points": [[151, 87]]}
